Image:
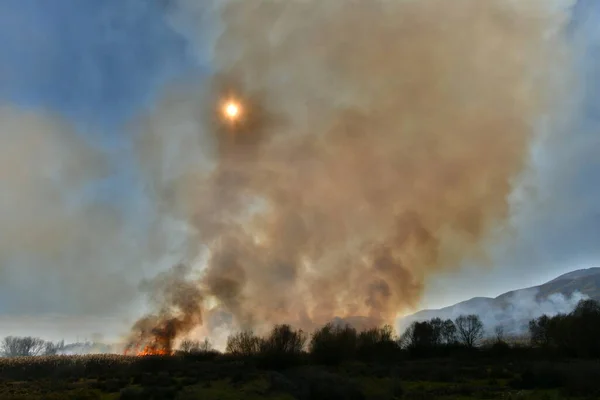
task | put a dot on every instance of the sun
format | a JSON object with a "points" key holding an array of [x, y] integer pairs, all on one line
{"points": [[232, 110]]}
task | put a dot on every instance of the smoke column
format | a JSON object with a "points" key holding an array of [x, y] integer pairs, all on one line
{"points": [[377, 145]]}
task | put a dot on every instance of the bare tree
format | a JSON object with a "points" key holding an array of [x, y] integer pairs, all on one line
{"points": [[469, 329], [13, 346], [206, 345], [189, 346], [53, 348], [499, 330], [244, 343], [195, 346], [433, 333]]}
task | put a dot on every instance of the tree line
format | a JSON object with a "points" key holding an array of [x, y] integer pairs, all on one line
{"points": [[27, 346], [14, 346], [335, 343], [576, 334]]}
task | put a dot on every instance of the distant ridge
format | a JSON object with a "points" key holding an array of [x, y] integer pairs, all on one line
{"points": [[514, 309]]}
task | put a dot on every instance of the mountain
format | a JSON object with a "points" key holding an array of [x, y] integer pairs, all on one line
{"points": [[514, 309]]}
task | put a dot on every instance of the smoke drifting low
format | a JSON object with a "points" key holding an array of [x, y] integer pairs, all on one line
{"points": [[511, 311], [379, 144]]}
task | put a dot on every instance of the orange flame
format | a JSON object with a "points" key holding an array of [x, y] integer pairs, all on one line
{"points": [[148, 350]]}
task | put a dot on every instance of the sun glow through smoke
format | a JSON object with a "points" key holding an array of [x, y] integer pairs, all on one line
{"points": [[231, 110]]}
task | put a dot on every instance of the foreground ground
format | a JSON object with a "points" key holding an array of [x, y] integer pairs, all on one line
{"points": [[186, 378]]}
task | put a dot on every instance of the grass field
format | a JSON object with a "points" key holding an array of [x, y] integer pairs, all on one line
{"points": [[225, 378]]}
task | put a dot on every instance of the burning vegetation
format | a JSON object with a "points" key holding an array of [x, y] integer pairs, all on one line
{"points": [[375, 144], [179, 310]]}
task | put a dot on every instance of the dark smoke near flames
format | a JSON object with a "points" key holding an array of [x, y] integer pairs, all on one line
{"points": [[179, 304], [378, 144]]}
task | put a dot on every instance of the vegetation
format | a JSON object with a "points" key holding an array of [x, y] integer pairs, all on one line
{"points": [[574, 335], [13, 346], [435, 359]]}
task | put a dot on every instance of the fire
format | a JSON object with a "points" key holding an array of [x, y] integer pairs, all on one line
{"points": [[148, 350]]}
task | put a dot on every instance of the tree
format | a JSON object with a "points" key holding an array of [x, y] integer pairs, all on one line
{"points": [[437, 326], [448, 332], [406, 339], [284, 340], [51, 349], [573, 334], [195, 346], [244, 343], [282, 348], [13, 346], [333, 344], [539, 331], [469, 329], [499, 330], [586, 328], [587, 308], [428, 334], [424, 335], [377, 344], [206, 345], [188, 346]]}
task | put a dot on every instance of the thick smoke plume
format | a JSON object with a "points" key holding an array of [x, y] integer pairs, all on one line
{"points": [[377, 145]]}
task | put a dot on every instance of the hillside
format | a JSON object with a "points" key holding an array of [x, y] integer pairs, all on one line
{"points": [[514, 309]]}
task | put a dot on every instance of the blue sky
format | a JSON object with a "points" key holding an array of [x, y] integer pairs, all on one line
{"points": [[95, 62], [98, 63]]}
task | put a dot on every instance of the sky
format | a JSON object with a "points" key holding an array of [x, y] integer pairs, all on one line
{"points": [[91, 67], [561, 233]]}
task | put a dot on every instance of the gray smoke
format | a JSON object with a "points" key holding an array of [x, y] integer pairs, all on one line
{"points": [[512, 311]]}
